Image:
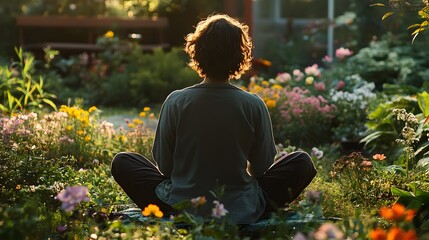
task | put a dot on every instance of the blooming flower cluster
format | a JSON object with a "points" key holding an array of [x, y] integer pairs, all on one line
{"points": [[342, 53], [154, 210], [400, 216], [300, 107], [360, 96], [72, 196]]}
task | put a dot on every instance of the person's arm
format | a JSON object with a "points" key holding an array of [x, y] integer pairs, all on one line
{"points": [[165, 137], [263, 147]]}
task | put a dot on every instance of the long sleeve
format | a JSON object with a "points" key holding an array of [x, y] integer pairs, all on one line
{"points": [[165, 137], [263, 148]]}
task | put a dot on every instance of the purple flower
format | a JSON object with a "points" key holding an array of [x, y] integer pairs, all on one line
{"points": [[218, 211], [71, 196], [61, 228]]}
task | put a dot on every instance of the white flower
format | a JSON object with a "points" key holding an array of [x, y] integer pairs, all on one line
{"points": [[317, 153], [218, 211]]}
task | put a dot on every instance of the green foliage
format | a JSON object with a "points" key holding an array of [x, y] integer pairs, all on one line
{"points": [[390, 61], [367, 183], [401, 6], [418, 200], [383, 129], [18, 90], [157, 75]]}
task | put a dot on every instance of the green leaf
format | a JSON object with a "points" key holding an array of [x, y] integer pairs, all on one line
{"points": [[377, 5], [183, 205], [413, 26], [3, 108], [401, 193], [418, 31], [50, 103], [386, 15], [423, 195], [373, 136], [421, 148], [423, 101]]}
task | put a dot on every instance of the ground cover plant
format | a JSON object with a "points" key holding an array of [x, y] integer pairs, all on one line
{"points": [[55, 164]]}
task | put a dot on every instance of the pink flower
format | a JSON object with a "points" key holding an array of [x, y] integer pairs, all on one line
{"points": [[313, 70], [340, 85], [218, 211], [328, 231], [317, 153], [320, 86], [299, 236], [342, 53], [327, 59], [71, 196], [283, 77], [298, 75]]}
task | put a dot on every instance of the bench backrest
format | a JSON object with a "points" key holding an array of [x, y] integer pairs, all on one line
{"points": [[90, 22]]}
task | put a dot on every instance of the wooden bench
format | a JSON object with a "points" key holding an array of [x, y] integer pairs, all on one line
{"points": [[92, 26]]}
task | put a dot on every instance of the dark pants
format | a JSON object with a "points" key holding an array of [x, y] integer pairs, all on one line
{"points": [[282, 182]]}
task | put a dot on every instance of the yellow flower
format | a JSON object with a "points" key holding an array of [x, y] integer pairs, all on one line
{"points": [[131, 125], [146, 109], [80, 132], [69, 128], [142, 114], [257, 88], [18, 187], [123, 138], [92, 109], [87, 138], [265, 83], [137, 121], [270, 103], [277, 86], [309, 80], [152, 209], [109, 34]]}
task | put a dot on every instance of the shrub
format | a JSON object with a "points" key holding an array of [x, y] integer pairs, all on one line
{"points": [[157, 75]]}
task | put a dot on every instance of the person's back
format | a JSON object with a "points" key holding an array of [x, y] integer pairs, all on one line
{"points": [[213, 135], [215, 126]]}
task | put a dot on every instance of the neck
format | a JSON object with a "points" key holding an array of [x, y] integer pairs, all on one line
{"points": [[212, 80]]}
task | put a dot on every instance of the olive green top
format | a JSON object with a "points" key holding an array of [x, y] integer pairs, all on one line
{"points": [[205, 135]]}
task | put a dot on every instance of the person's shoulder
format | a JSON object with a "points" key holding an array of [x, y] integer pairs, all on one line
{"points": [[179, 92]]}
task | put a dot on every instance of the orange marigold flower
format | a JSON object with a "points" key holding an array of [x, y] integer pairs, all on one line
{"points": [[270, 103], [410, 215], [396, 213], [379, 157], [396, 233], [399, 211], [377, 234], [410, 235], [18, 187], [152, 209]]}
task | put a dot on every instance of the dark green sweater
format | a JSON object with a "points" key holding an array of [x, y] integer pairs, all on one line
{"points": [[205, 135]]}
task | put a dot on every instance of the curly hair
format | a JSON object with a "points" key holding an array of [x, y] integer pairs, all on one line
{"points": [[220, 48]]}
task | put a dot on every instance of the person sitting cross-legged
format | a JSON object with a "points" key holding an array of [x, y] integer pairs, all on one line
{"points": [[214, 134]]}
